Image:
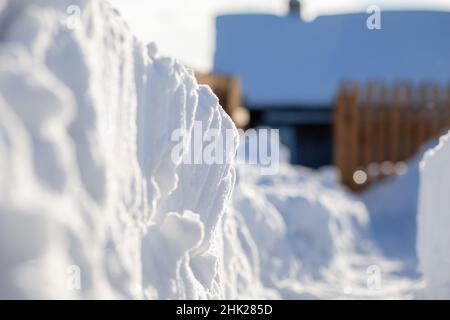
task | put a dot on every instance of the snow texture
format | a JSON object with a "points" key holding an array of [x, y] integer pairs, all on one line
{"points": [[86, 179], [433, 239]]}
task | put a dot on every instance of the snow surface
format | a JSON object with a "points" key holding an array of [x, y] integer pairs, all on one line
{"points": [[433, 239], [86, 177], [306, 61], [311, 237], [88, 186], [393, 206]]}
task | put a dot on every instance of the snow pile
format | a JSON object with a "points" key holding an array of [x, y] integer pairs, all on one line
{"points": [[433, 237], [91, 203], [307, 234], [299, 227], [393, 217]]}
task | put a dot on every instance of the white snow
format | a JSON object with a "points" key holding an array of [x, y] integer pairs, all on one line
{"points": [[392, 205], [86, 177], [92, 204], [311, 237], [433, 239]]}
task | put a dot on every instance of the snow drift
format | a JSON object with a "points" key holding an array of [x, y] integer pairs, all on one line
{"points": [[86, 180], [433, 240]]}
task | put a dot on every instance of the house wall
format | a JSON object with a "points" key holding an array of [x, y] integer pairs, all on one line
{"points": [[306, 132]]}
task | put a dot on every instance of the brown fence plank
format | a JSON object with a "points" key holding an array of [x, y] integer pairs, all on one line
{"points": [[354, 133], [368, 126], [375, 123], [382, 125], [339, 132], [394, 130]]}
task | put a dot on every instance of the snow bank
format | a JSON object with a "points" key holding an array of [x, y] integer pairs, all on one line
{"points": [[92, 205], [433, 239], [392, 205]]}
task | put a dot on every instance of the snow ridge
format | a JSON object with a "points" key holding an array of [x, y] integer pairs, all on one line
{"points": [[86, 114]]}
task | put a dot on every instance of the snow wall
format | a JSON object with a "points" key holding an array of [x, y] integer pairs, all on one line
{"points": [[433, 221], [91, 203], [87, 183]]}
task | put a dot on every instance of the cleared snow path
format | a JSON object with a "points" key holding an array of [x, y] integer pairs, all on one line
{"points": [[313, 239]]}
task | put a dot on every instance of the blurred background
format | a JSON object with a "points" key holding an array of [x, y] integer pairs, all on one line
{"points": [[361, 85], [186, 28]]}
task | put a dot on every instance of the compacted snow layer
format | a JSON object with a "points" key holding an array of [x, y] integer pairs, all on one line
{"points": [[433, 237], [92, 205]]}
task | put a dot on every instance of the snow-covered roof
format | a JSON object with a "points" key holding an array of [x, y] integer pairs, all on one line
{"points": [[286, 61]]}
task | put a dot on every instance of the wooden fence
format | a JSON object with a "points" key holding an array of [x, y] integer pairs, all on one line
{"points": [[377, 128], [228, 90]]}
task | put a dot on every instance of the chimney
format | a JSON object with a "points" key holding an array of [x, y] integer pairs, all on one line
{"points": [[295, 8]]}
